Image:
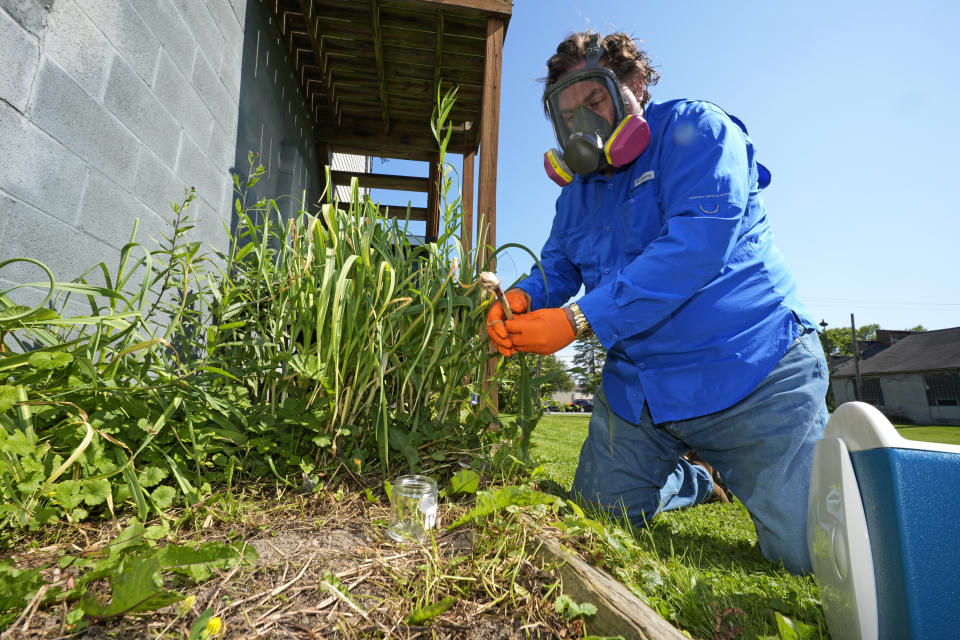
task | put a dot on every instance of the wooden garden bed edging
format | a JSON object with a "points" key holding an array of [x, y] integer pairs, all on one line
{"points": [[619, 611]]}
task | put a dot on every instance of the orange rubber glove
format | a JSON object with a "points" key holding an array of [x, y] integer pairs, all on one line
{"points": [[519, 302], [542, 332]]}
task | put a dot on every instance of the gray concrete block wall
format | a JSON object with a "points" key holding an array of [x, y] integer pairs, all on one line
{"points": [[108, 110], [904, 395], [274, 121], [20, 62]]}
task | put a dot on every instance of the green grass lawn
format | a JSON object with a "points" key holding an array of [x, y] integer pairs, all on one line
{"points": [[709, 559], [943, 435]]}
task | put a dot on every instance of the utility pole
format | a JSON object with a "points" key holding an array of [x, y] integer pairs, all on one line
{"points": [[857, 387], [826, 341]]}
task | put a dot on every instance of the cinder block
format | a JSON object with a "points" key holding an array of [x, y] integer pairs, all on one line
{"points": [[228, 203], [210, 227], [6, 205], [231, 66], [203, 28], [221, 148], [134, 104], [30, 14], [38, 170], [227, 22], [156, 186], [197, 171], [126, 31], [170, 29], [109, 213], [240, 10], [33, 234], [174, 91], [65, 111], [20, 53], [206, 81], [33, 297], [26, 296], [73, 41]]}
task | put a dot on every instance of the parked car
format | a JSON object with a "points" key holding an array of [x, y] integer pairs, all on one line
{"points": [[553, 405], [583, 404]]}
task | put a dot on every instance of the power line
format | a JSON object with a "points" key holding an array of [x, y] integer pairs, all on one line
{"points": [[849, 302]]}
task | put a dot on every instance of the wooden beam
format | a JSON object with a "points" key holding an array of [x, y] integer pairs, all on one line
{"points": [[487, 191], [466, 204], [382, 181], [501, 7], [489, 136], [433, 199], [399, 212], [438, 55], [402, 148], [619, 611], [375, 149], [306, 6], [378, 53]]}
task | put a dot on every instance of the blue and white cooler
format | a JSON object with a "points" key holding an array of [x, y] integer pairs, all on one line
{"points": [[884, 530]]}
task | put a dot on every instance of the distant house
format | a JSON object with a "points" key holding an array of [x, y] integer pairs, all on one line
{"points": [[567, 397], [914, 375]]}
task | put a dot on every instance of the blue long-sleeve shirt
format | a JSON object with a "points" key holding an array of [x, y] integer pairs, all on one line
{"points": [[684, 286]]}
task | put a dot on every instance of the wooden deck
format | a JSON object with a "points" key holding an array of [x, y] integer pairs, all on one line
{"points": [[371, 71]]}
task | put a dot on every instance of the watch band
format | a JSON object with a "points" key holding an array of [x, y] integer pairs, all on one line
{"points": [[583, 327]]}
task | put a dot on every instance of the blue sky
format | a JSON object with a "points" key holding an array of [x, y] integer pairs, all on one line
{"points": [[850, 104]]}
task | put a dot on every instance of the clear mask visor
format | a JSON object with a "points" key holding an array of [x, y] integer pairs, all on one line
{"points": [[587, 101]]}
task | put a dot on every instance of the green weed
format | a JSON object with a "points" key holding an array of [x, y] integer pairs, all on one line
{"points": [[329, 341]]}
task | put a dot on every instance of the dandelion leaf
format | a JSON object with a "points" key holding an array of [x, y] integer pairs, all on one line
{"points": [[135, 587]]}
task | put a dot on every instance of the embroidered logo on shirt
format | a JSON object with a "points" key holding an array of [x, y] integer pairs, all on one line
{"points": [[716, 207], [645, 177]]}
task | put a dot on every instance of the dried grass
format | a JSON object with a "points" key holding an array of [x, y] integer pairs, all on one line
{"points": [[301, 541]]}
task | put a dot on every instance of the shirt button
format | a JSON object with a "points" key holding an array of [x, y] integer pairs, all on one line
{"points": [[606, 270], [607, 228], [642, 366], [610, 186]]}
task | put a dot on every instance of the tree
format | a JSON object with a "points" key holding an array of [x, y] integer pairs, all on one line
{"points": [[839, 338], [840, 342], [510, 375], [589, 357]]}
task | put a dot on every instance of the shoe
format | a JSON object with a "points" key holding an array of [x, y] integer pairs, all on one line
{"points": [[719, 492]]}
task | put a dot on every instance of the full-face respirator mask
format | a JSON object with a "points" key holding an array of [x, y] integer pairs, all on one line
{"points": [[579, 105]]}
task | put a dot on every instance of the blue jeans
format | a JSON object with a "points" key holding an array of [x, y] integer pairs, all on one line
{"points": [[762, 446]]}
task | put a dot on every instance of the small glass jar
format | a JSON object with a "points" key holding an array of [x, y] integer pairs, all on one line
{"points": [[413, 508]]}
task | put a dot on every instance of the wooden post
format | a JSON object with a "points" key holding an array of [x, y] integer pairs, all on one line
{"points": [[489, 133], [433, 201], [466, 202], [857, 385], [619, 611], [487, 191]]}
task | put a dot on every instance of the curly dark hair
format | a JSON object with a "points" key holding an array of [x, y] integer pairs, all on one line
{"points": [[620, 54]]}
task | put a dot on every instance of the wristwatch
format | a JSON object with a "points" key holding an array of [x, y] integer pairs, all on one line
{"points": [[583, 329]]}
